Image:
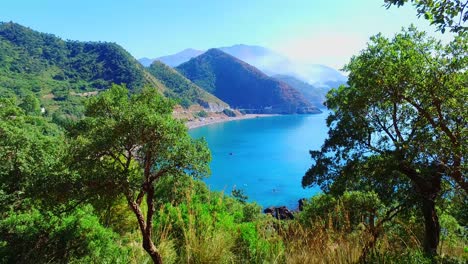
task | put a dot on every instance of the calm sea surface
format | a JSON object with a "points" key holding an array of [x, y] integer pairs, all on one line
{"points": [[265, 157]]}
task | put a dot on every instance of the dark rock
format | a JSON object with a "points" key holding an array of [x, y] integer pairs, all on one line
{"points": [[281, 212], [269, 210]]}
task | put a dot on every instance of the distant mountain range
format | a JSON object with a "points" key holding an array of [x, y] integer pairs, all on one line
{"points": [[268, 61], [62, 73], [243, 86]]}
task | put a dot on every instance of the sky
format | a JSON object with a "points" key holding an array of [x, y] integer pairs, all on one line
{"points": [[309, 31]]}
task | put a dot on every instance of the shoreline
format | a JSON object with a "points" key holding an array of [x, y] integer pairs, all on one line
{"points": [[214, 120]]}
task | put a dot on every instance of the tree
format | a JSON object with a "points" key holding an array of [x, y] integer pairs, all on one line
{"points": [[31, 104], [30, 151], [126, 144], [402, 115], [445, 14], [31, 169]]}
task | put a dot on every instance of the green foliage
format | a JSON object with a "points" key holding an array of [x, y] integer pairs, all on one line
{"points": [[65, 198], [32, 236], [208, 227], [450, 14], [202, 114], [180, 88], [112, 117], [348, 211], [399, 125], [125, 144], [58, 71], [239, 195], [31, 151], [409, 256], [31, 105]]}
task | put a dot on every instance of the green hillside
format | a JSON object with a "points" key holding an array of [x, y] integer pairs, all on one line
{"points": [[62, 72], [242, 85], [179, 87]]}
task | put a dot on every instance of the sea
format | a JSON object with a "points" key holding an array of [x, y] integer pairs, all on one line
{"points": [[265, 157]]}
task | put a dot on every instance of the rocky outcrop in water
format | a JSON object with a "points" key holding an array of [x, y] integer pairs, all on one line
{"points": [[281, 212]]}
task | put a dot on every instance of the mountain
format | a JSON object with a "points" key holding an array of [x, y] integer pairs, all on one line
{"points": [[315, 95], [182, 89], [242, 85], [274, 63], [268, 61], [174, 59]]}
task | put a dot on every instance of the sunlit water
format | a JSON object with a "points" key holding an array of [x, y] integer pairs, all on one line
{"points": [[265, 157]]}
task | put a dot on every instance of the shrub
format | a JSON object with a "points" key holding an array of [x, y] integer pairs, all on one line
{"points": [[202, 113]]}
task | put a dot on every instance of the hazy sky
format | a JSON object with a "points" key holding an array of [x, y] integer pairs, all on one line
{"points": [[326, 31]]}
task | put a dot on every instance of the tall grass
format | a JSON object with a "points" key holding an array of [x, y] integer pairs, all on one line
{"points": [[209, 227]]}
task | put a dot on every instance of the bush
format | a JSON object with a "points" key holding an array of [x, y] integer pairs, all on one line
{"points": [[202, 114], [40, 237]]}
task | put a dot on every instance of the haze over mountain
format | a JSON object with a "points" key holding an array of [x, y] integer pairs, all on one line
{"points": [[242, 85], [268, 61], [315, 95]]}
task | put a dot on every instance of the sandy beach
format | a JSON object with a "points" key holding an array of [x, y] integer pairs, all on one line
{"points": [[213, 120]]}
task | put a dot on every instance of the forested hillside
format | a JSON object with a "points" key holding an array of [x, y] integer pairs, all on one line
{"points": [[61, 72], [182, 89]]}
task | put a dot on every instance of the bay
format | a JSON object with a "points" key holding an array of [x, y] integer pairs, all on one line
{"points": [[265, 157]]}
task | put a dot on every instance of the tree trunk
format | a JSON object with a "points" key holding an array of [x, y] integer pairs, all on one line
{"points": [[151, 249], [432, 227], [148, 244], [428, 187]]}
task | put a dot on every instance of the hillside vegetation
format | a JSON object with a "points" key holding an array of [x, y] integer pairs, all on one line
{"points": [[62, 73], [182, 89], [121, 181]]}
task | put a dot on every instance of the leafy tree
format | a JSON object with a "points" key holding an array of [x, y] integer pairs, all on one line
{"points": [[31, 169], [126, 144], [30, 151], [400, 126], [445, 14], [31, 104]]}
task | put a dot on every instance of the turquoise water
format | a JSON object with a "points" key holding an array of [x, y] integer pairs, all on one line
{"points": [[265, 157]]}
